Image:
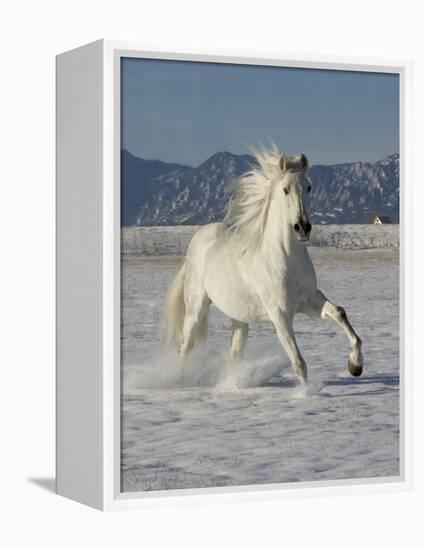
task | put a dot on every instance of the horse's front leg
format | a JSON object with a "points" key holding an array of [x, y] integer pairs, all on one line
{"points": [[319, 305], [338, 314], [282, 322]]}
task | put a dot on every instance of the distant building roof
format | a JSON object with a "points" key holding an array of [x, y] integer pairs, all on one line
{"points": [[382, 219]]}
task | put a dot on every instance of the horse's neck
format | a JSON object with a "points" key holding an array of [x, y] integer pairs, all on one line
{"points": [[280, 241]]}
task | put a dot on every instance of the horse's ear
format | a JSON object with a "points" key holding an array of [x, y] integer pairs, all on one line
{"points": [[304, 162], [282, 163]]}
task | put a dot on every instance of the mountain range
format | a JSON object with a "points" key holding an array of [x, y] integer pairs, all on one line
{"points": [[160, 193]]}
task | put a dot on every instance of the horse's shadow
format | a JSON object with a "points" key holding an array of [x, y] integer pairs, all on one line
{"points": [[279, 382], [384, 379], [388, 381]]}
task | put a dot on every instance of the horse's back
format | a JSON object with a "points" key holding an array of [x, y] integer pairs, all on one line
{"points": [[205, 236], [201, 242], [198, 249]]}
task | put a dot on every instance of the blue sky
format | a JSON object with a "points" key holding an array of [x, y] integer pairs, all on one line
{"points": [[186, 111]]}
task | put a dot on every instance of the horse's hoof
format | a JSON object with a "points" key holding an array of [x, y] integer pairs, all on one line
{"points": [[355, 370]]}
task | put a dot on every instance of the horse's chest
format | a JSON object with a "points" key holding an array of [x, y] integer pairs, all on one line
{"points": [[297, 279], [297, 282]]}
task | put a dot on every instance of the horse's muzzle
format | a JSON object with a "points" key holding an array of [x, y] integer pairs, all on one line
{"points": [[303, 229]]}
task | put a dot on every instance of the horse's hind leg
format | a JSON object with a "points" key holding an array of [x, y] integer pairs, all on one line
{"points": [[320, 306], [238, 340], [196, 308]]}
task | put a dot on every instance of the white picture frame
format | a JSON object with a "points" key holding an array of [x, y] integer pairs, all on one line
{"points": [[88, 279]]}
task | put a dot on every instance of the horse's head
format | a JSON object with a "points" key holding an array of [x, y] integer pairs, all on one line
{"points": [[295, 188]]}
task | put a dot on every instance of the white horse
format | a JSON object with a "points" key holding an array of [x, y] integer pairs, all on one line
{"points": [[254, 266]]}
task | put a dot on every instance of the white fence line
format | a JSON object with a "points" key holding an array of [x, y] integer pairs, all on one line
{"points": [[174, 240]]}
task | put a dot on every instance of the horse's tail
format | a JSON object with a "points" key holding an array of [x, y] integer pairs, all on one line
{"points": [[174, 313], [174, 310]]}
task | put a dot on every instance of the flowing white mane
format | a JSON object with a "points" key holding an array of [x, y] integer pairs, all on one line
{"points": [[248, 208]]}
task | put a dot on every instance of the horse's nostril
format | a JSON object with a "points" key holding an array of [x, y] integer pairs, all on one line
{"points": [[296, 227], [307, 228]]}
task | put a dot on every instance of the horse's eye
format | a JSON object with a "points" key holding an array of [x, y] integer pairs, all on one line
{"points": [[309, 189], [286, 190]]}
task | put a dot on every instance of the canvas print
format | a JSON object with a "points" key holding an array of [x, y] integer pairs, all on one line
{"points": [[259, 275]]}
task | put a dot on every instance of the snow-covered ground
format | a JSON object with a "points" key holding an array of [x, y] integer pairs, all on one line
{"points": [[215, 424]]}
